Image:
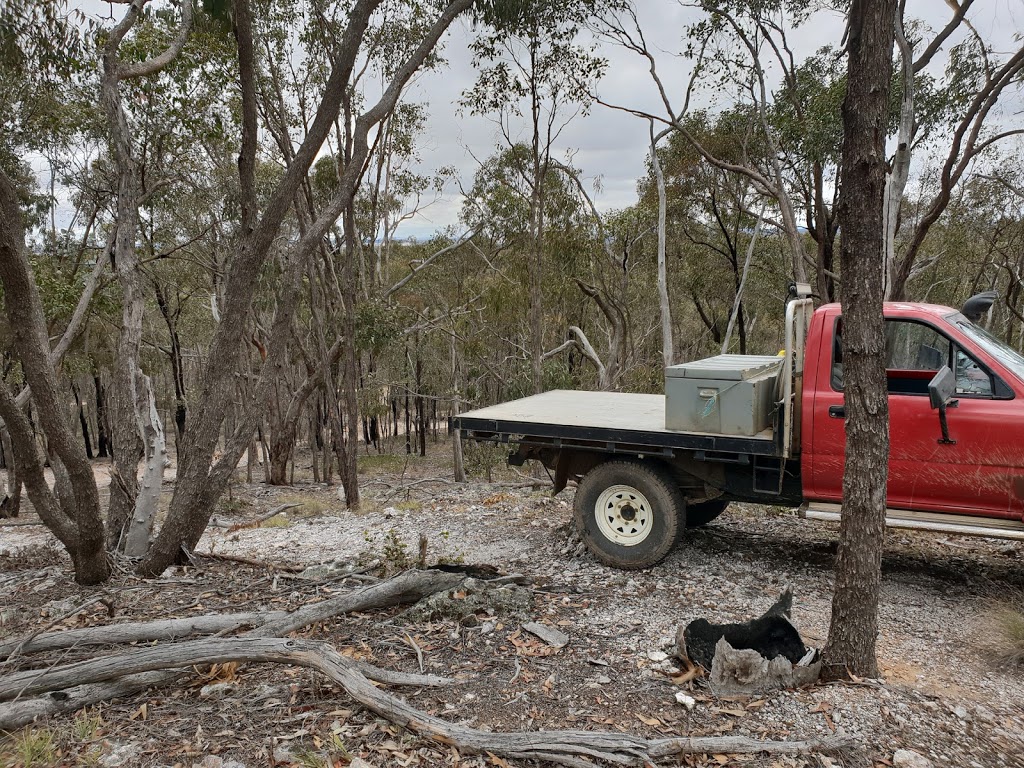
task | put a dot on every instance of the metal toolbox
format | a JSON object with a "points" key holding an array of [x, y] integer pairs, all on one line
{"points": [[725, 394]]}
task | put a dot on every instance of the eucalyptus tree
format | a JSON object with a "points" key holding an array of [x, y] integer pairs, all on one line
{"points": [[963, 117], [534, 68], [573, 258], [710, 219], [853, 628], [201, 476], [40, 46], [735, 46], [206, 464]]}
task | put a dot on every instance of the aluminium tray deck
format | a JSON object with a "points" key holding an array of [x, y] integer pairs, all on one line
{"points": [[590, 419]]}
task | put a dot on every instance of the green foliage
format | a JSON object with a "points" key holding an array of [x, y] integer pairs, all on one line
{"points": [[481, 459], [807, 111], [219, 11], [395, 552], [378, 325]]}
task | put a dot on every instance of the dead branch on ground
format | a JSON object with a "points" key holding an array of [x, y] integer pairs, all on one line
{"points": [[231, 527], [27, 695], [561, 747]]}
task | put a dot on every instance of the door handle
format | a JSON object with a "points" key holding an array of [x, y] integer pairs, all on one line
{"points": [[837, 412]]}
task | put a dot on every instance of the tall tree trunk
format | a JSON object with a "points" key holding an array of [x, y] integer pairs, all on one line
{"points": [[896, 179], [177, 364], [854, 626], [282, 443], [125, 434], [151, 432], [421, 416], [82, 420], [12, 504], [102, 441], [667, 345], [408, 421]]}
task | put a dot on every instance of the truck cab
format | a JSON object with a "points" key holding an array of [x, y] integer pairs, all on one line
{"points": [[978, 468]]}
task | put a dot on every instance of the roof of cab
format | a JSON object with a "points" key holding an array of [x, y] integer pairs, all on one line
{"points": [[900, 309]]}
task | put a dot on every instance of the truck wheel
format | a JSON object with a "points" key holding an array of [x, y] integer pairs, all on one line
{"points": [[629, 514], [704, 512]]}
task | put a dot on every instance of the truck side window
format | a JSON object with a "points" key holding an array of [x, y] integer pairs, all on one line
{"points": [[837, 357], [971, 378], [914, 353], [914, 347]]}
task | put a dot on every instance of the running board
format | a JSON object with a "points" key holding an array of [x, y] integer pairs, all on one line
{"points": [[966, 525]]}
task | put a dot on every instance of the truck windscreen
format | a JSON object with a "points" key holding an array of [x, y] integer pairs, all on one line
{"points": [[1001, 351]]}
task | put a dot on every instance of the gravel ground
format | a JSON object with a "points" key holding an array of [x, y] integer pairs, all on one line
{"points": [[944, 694]]}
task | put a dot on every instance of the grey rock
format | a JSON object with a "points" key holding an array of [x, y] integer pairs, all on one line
{"points": [[907, 758], [474, 596], [120, 754], [549, 635], [213, 761], [216, 690], [56, 608], [283, 755]]}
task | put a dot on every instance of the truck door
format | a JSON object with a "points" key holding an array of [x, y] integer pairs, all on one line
{"points": [[971, 475]]}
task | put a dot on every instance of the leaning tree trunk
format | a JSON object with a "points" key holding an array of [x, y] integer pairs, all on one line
{"points": [[854, 626], [74, 520]]}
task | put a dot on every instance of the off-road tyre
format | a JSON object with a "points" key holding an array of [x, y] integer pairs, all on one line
{"points": [[629, 513], [704, 512]]}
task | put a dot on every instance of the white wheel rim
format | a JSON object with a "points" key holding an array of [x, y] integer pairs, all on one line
{"points": [[624, 515]]}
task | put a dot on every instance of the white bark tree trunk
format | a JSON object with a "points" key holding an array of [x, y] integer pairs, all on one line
{"points": [[739, 291], [896, 180], [147, 502], [667, 344]]}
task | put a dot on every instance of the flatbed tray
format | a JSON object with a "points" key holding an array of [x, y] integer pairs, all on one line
{"points": [[573, 417]]}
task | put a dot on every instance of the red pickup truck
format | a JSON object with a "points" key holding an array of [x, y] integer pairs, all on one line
{"points": [[771, 430]]}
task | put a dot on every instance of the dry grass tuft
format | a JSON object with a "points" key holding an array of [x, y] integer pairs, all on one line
{"points": [[1009, 626]]}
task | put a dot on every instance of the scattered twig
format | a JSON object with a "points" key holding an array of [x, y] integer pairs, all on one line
{"points": [[250, 561], [232, 527], [12, 649], [416, 648]]}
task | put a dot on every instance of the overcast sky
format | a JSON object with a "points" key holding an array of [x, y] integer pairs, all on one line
{"points": [[608, 146], [611, 146]]}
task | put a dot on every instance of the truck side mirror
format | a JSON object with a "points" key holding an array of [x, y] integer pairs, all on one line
{"points": [[941, 387], [940, 391]]}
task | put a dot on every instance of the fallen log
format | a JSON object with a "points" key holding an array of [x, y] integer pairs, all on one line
{"points": [[561, 747], [137, 632], [211, 650], [407, 587], [254, 523]]}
